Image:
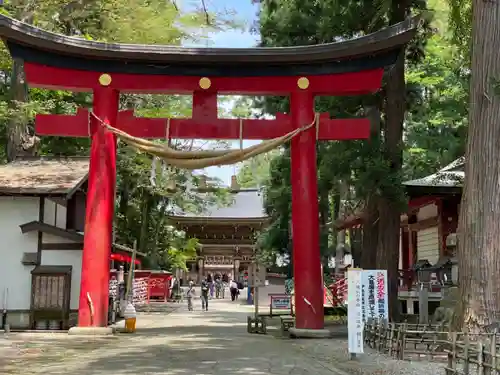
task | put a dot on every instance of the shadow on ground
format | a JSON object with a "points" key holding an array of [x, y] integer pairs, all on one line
{"points": [[213, 342]]}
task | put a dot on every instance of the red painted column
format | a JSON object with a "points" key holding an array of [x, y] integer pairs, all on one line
{"points": [[100, 210], [305, 220]]}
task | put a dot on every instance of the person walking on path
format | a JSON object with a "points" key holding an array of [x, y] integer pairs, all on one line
{"points": [[204, 295], [190, 295], [233, 288], [212, 288]]}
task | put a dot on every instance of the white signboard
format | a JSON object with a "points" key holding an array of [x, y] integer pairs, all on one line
{"points": [[354, 311], [374, 291], [280, 302]]}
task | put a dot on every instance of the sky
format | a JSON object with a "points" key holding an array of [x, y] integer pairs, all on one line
{"points": [[246, 13]]}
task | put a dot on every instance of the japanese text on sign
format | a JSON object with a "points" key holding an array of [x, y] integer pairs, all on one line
{"points": [[381, 283], [375, 304], [280, 302], [354, 311]]}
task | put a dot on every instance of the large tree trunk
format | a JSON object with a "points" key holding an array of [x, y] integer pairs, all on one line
{"points": [[146, 205], [389, 207], [19, 140], [479, 224], [371, 216], [356, 244], [370, 234]]}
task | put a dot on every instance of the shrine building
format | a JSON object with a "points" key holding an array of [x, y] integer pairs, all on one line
{"points": [[42, 220], [428, 235], [227, 236]]}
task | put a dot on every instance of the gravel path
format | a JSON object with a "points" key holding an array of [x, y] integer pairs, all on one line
{"points": [[197, 343], [370, 363]]}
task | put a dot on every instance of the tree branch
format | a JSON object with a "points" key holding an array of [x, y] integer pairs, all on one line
{"points": [[207, 15]]}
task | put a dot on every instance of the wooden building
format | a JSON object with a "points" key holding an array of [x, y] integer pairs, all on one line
{"points": [[226, 235], [42, 216], [428, 229], [432, 216]]}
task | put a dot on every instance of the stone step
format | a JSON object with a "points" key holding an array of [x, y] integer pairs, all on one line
{"points": [[157, 307]]}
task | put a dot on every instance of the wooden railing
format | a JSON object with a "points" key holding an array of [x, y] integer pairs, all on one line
{"points": [[406, 341], [336, 293], [462, 353]]}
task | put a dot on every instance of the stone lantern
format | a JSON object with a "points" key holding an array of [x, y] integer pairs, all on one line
{"points": [[424, 270], [446, 270]]}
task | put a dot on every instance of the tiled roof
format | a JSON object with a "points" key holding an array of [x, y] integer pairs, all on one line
{"points": [[450, 176], [246, 204], [42, 175]]}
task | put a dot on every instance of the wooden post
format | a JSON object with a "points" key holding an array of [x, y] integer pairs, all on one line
{"points": [[450, 370], [466, 354], [403, 340], [493, 353], [392, 335], [399, 339], [480, 358]]}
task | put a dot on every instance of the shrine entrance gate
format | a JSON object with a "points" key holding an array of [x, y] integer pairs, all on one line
{"points": [[353, 67]]}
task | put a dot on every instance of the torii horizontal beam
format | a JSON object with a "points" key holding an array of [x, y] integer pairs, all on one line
{"points": [[156, 128], [204, 124]]}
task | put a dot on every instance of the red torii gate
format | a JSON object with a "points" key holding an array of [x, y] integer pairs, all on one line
{"points": [[348, 68]]}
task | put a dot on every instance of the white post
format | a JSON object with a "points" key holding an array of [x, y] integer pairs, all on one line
{"points": [[130, 278]]}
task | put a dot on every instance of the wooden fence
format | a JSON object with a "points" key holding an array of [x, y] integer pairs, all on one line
{"points": [[463, 353], [470, 354]]}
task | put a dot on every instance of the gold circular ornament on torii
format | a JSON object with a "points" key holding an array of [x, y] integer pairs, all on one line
{"points": [[303, 83], [205, 83], [105, 79]]}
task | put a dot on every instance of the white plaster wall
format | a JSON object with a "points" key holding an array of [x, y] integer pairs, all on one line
{"points": [[14, 276], [427, 212], [67, 258], [54, 214], [49, 212]]}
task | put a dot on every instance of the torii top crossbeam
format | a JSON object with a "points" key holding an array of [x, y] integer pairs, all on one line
{"points": [[351, 67], [368, 52]]}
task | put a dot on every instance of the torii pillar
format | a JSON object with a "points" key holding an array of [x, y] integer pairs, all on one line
{"points": [[94, 289], [305, 221]]}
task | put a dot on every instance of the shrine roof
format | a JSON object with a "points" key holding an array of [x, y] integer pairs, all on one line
{"points": [[371, 51], [43, 175], [247, 205], [450, 176]]}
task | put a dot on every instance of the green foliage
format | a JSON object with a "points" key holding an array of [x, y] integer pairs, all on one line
{"points": [[143, 201], [434, 130], [460, 19]]}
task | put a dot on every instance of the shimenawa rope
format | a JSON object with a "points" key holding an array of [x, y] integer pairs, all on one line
{"points": [[204, 158]]}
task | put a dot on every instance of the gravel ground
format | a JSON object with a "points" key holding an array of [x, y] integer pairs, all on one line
{"points": [[201, 343], [335, 352]]}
